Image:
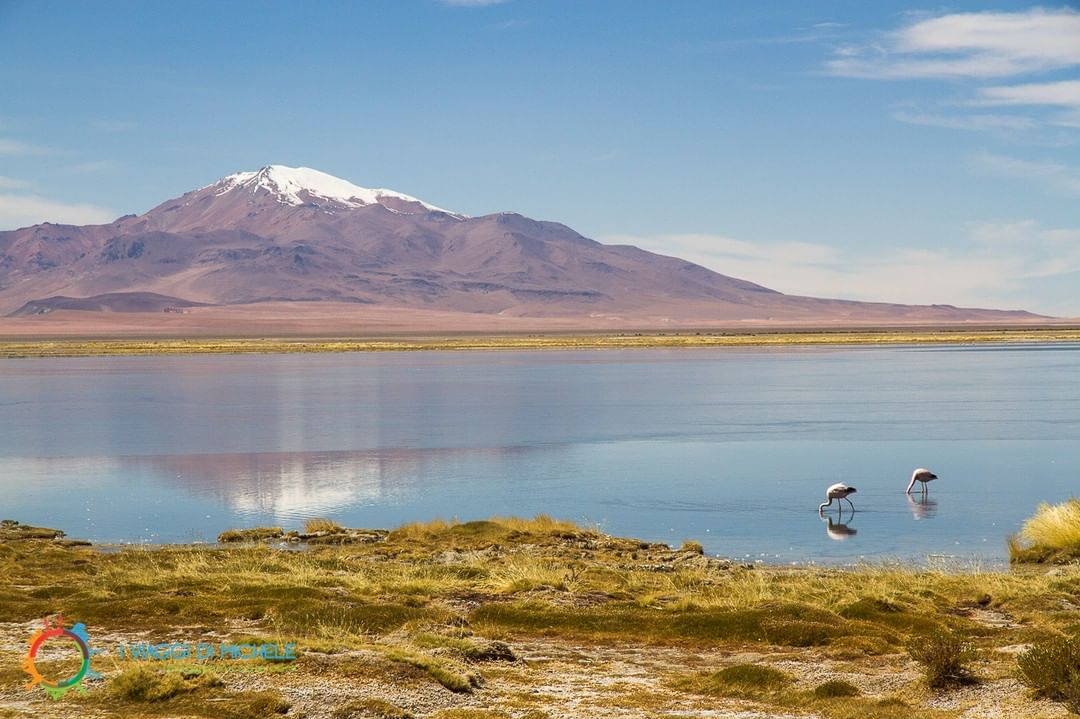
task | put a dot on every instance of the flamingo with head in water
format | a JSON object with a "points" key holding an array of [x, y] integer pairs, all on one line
{"points": [[839, 492], [921, 475]]}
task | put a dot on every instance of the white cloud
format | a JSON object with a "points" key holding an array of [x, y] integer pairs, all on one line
{"points": [[979, 46], [1062, 94], [17, 147], [967, 122], [23, 210], [968, 45], [1054, 175], [1023, 232], [998, 265]]}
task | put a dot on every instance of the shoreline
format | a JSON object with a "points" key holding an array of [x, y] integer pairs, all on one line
{"points": [[27, 348], [286, 541]]}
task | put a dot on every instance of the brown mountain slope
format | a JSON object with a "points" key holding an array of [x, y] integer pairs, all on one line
{"points": [[284, 235]]}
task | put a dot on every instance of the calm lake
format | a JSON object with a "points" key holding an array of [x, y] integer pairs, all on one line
{"points": [[730, 447]]}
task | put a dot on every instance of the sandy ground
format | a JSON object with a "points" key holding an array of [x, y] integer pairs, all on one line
{"points": [[327, 319]]}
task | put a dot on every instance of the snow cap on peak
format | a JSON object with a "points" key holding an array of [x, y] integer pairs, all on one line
{"points": [[286, 184]]}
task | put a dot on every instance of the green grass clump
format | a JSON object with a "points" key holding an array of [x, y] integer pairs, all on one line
{"points": [[369, 709], [255, 705], [747, 681], [143, 684], [890, 614], [943, 657], [836, 688], [1052, 668], [799, 632], [186, 694], [469, 650], [255, 534], [1052, 534], [450, 677], [786, 624]]}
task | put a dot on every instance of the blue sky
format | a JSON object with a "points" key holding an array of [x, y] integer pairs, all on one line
{"points": [[867, 150]]}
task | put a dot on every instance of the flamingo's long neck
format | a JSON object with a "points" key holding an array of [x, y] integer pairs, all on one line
{"points": [[911, 484]]}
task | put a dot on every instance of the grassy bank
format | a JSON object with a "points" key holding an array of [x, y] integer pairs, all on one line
{"points": [[532, 619], [79, 348]]}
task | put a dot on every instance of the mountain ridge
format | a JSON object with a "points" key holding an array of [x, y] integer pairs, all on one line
{"points": [[281, 235]]}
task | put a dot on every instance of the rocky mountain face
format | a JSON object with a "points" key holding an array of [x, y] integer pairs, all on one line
{"points": [[298, 235]]}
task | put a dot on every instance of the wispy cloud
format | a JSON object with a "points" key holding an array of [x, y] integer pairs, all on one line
{"points": [[17, 147], [981, 122], [1063, 95], [18, 210], [996, 265], [1021, 233], [1051, 174], [976, 48], [967, 45], [1059, 94]]}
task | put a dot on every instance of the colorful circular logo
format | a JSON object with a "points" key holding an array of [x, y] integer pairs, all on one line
{"points": [[57, 688]]}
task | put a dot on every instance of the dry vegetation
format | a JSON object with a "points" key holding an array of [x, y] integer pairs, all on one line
{"points": [[1051, 535], [684, 338], [539, 618]]}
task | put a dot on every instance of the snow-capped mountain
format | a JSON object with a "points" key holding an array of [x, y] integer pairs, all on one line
{"points": [[282, 235], [302, 185]]}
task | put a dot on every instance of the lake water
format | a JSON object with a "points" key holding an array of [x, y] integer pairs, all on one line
{"points": [[730, 447]]}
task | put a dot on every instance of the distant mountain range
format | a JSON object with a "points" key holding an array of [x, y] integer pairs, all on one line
{"points": [[281, 235]]}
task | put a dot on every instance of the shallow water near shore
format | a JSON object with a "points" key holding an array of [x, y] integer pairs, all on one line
{"points": [[732, 447]]}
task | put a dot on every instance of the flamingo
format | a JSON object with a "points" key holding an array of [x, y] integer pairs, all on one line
{"points": [[839, 492], [921, 475]]}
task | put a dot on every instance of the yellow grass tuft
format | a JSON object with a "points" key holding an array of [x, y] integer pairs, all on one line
{"points": [[1055, 525], [1051, 534], [489, 529], [692, 546], [540, 524], [313, 526], [421, 530]]}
